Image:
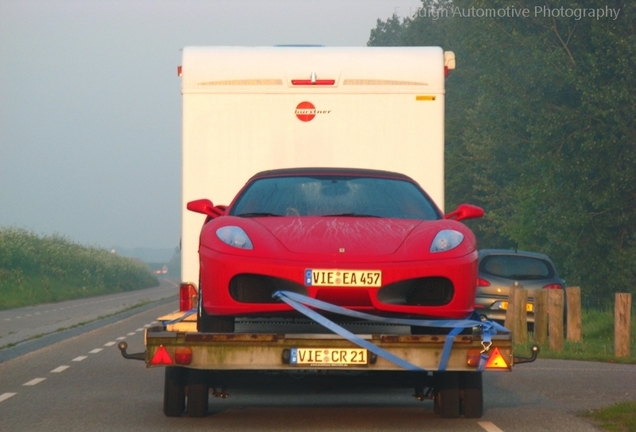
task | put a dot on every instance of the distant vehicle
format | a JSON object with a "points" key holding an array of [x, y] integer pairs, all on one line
{"points": [[499, 269]]}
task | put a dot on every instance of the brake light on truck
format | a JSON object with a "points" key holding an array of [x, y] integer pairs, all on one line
{"points": [[187, 297]]}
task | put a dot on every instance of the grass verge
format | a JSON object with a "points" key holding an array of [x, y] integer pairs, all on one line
{"points": [[616, 418]]}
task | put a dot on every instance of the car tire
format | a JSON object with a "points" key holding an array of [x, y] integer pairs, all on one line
{"points": [[212, 323], [471, 394], [174, 391], [447, 401], [198, 393]]}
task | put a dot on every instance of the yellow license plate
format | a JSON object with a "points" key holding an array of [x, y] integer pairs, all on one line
{"points": [[529, 306], [345, 278], [329, 357]]}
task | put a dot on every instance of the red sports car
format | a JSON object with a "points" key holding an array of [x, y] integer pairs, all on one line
{"points": [[366, 240]]}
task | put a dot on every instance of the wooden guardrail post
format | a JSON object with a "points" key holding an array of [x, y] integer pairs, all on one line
{"points": [[622, 322], [540, 317], [510, 311], [521, 319], [573, 300], [555, 319], [516, 317]]}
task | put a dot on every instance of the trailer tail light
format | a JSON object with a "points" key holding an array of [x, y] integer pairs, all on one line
{"points": [[183, 355], [472, 357], [553, 286], [161, 357], [187, 297]]}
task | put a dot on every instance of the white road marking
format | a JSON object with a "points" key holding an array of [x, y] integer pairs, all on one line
{"points": [[6, 396], [139, 329], [147, 325], [34, 382], [131, 334], [489, 426], [60, 369], [110, 343], [95, 351], [79, 359], [121, 338]]}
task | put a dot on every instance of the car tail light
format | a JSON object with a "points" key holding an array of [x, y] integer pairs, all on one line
{"points": [[187, 297], [553, 286], [482, 282]]}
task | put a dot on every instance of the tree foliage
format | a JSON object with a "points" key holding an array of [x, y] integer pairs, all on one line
{"points": [[541, 130]]}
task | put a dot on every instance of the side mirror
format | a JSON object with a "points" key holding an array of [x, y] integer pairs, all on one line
{"points": [[205, 206], [465, 211]]}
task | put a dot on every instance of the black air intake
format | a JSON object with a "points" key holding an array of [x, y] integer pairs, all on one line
{"points": [[426, 291], [252, 288]]}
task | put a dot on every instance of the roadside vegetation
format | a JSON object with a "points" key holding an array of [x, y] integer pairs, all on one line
{"points": [[537, 110], [597, 340], [46, 269], [616, 418]]}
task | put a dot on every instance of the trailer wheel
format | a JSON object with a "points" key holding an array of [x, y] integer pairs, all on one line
{"points": [[447, 403], [198, 392], [174, 392], [472, 394], [211, 323]]}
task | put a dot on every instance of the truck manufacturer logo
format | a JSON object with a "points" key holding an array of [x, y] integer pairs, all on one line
{"points": [[306, 111]]}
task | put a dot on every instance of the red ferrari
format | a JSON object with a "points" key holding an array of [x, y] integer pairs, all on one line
{"points": [[366, 240]]}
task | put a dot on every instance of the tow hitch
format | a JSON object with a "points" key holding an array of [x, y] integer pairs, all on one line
{"points": [[123, 346], [534, 353]]}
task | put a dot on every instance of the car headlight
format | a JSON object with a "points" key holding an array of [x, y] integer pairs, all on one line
{"points": [[446, 240], [234, 236]]}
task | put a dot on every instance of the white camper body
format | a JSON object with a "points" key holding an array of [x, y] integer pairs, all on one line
{"points": [[249, 109]]}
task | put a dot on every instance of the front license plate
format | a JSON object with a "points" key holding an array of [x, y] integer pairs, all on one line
{"points": [[328, 357], [529, 306], [347, 278]]}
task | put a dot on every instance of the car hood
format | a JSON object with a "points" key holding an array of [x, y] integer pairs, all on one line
{"points": [[353, 235]]}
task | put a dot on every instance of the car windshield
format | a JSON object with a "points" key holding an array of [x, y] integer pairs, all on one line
{"points": [[328, 195], [516, 267]]}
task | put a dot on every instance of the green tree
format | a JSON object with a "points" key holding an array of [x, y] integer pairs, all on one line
{"points": [[541, 132]]}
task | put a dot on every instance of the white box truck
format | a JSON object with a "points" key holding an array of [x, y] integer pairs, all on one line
{"points": [[250, 109]]}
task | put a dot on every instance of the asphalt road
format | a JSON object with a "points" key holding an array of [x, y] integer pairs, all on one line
{"points": [[82, 383], [25, 329]]}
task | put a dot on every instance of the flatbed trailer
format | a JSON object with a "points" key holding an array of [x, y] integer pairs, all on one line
{"points": [[438, 366]]}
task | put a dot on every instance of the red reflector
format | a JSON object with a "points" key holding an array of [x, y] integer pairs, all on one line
{"points": [[179, 71], [316, 82], [496, 360], [183, 355], [187, 297], [161, 357], [482, 282], [553, 286], [446, 71]]}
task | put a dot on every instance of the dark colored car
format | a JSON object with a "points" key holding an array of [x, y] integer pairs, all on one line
{"points": [[499, 269]]}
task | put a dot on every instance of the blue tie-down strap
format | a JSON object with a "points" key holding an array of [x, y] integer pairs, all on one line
{"points": [[300, 302]]}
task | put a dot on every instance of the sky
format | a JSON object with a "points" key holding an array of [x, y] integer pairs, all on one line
{"points": [[90, 103]]}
